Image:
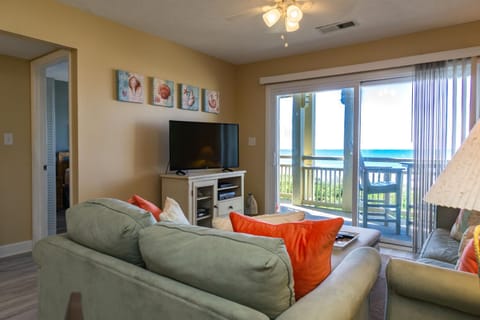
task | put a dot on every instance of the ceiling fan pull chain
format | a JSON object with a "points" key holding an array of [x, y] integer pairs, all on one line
{"points": [[284, 38]]}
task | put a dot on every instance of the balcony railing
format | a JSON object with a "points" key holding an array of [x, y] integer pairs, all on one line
{"points": [[322, 185]]}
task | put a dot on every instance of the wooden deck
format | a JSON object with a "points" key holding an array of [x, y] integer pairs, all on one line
{"points": [[388, 232]]}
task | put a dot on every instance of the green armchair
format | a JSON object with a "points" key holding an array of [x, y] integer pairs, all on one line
{"points": [[420, 291], [430, 288]]}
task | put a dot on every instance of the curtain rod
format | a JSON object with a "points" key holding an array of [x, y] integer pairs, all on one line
{"points": [[372, 66]]}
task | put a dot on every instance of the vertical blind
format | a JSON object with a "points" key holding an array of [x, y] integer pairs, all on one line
{"points": [[442, 104]]}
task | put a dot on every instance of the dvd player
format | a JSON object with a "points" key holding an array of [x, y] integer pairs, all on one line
{"points": [[226, 195]]}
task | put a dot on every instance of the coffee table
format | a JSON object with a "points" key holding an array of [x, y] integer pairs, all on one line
{"points": [[366, 238]]}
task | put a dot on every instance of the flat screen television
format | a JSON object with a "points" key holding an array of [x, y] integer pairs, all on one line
{"points": [[203, 145]]}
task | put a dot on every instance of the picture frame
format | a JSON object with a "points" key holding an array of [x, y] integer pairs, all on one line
{"points": [[130, 87], [163, 93], [189, 97], [211, 101]]}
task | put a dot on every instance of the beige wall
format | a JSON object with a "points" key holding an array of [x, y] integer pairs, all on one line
{"points": [[15, 160], [122, 147], [251, 96]]}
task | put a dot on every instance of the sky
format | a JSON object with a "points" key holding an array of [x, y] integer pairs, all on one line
{"points": [[385, 118]]}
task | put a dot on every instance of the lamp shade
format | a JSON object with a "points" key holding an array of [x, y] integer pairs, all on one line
{"points": [[271, 17], [458, 186], [291, 26], [294, 14]]}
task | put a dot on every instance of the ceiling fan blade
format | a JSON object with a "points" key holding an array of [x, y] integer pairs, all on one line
{"points": [[305, 5], [253, 11], [245, 13]]}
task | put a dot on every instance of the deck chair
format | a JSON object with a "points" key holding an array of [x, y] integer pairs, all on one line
{"points": [[377, 184]]}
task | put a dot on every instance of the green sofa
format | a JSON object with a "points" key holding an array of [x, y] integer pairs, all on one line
{"points": [[127, 267], [431, 288]]}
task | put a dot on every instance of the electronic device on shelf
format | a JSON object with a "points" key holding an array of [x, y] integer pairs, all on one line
{"points": [[226, 195], [222, 185], [202, 212]]}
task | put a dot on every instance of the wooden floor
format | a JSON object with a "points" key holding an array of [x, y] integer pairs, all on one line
{"points": [[18, 288]]}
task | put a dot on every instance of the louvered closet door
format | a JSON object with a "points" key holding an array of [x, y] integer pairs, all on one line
{"points": [[51, 197]]}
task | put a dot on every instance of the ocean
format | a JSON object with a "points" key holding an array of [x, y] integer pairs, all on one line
{"points": [[366, 153]]}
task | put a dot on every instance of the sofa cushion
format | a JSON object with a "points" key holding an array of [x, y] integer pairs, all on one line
{"points": [[309, 244], [440, 246], [465, 219], [224, 223], [253, 271], [110, 226]]}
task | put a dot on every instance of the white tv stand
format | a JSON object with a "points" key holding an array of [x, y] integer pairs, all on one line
{"points": [[204, 195]]}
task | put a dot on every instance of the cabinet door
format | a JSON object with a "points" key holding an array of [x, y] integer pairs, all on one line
{"points": [[204, 202]]}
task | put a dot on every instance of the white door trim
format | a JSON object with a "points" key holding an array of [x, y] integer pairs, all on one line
{"points": [[38, 132]]}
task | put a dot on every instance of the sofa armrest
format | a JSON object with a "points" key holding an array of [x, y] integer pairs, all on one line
{"points": [[344, 294], [420, 291], [446, 217]]}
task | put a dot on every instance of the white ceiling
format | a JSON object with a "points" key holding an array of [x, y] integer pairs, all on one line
{"points": [[233, 30], [24, 48]]}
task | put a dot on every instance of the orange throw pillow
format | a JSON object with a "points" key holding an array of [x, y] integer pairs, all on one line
{"points": [[468, 261], [146, 205], [309, 245]]}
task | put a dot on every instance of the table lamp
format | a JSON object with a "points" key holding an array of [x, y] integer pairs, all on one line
{"points": [[458, 186]]}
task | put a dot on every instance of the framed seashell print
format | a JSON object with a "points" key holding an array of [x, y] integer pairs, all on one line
{"points": [[163, 93], [189, 97], [211, 101], [130, 86]]}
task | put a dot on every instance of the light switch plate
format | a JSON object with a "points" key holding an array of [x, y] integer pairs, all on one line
{"points": [[252, 141], [8, 138]]}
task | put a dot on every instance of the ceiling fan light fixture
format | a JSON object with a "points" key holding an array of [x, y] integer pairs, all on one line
{"points": [[294, 13], [271, 17], [291, 26]]}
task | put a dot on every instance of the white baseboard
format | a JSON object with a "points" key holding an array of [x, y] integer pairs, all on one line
{"points": [[15, 248]]}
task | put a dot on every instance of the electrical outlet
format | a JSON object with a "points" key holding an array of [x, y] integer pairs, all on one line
{"points": [[8, 138]]}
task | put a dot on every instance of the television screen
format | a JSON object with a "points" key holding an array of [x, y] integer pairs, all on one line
{"points": [[203, 145]]}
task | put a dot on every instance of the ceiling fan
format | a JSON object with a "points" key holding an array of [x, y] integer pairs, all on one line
{"points": [[288, 11], [304, 5], [285, 15]]}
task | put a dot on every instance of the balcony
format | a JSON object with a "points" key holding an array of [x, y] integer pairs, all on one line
{"points": [[320, 192]]}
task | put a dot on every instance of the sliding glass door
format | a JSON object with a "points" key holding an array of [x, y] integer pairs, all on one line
{"points": [[356, 145], [316, 152], [386, 158]]}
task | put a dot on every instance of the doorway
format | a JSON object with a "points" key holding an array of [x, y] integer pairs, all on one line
{"points": [[51, 141]]}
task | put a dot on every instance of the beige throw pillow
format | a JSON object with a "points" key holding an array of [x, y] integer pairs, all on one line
{"points": [[465, 219], [467, 235], [223, 223], [172, 212]]}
